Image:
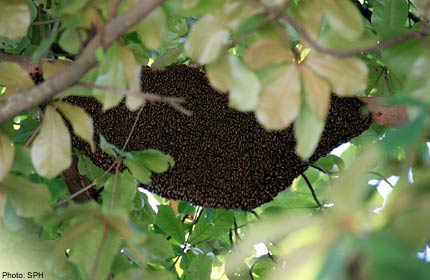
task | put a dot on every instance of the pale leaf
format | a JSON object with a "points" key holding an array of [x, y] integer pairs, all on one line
{"points": [[132, 79], [219, 75], [307, 130], [206, 39], [244, 94], [280, 100], [266, 52], [7, 150], [14, 19], [51, 150], [317, 93], [13, 77], [51, 68], [152, 28], [346, 76], [344, 18], [81, 122]]}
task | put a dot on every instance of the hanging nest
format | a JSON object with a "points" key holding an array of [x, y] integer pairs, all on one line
{"points": [[224, 158]]}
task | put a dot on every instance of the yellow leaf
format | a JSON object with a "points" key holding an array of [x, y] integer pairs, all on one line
{"points": [[317, 93], [132, 79], [15, 18], [7, 150], [346, 76], [280, 100], [266, 52], [13, 77], [307, 129], [51, 150], [152, 28], [81, 122], [207, 38], [244, 94], [219, 75], [51, 68], [344, 18]]}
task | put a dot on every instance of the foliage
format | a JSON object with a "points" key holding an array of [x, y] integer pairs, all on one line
{"points": [[278, 59]]}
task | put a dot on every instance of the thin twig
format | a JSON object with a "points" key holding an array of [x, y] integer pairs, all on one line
{"points": [[146, 96], [312, 190], [382, 177], [45, 22], [335, 52]]}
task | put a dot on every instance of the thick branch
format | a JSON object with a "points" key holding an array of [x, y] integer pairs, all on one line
{"points": [[25, 100]]}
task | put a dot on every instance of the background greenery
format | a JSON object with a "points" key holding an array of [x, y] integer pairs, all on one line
{"points": [[279, 59]]}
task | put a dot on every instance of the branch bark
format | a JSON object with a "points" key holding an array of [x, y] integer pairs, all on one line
{"points": [[25, 100]]}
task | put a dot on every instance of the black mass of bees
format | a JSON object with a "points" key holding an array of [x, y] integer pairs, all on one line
{"points": [[224, 158]]}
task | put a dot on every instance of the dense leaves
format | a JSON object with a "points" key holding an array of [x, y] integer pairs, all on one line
{"points": [[279, 60]]}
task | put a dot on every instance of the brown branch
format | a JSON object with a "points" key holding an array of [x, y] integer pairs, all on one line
{"points": [[22, 101], [390, 115]]}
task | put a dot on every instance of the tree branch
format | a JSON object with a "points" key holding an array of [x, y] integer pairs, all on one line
{"points": [[25, 100]]}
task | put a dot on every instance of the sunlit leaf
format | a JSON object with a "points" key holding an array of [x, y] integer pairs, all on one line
{"points": [[346, 76], [81, 121], [23, 194], [132, 79], [280, 100], [152, 28], [139, 274], [219, 75], [422, 7], [266, 52], [13, 77], [317, 93], [7, 150], [307, 130], [344, 17], [51, 150], [15, 18], [245, 91], [207, 38], [119, 192]]}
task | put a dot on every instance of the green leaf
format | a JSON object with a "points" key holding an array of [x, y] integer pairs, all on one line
{"points": [[344, 18], [207, 39], [7, 150], [139, 274], [245, 89], [200, 268], [93, 249], [213, 224], [50, 68], [15, 18], [119, 192], [169, 223], [51, 150], [389, 18], [139, 171], [307, 130], [352, 70], [156, 248], [154, 160], [22, 161], [13, 77], [280, 100], [109, 148], [81, 121], [70, 41], [111, 74], [23, 194], [152, 28], [193, 8]]}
